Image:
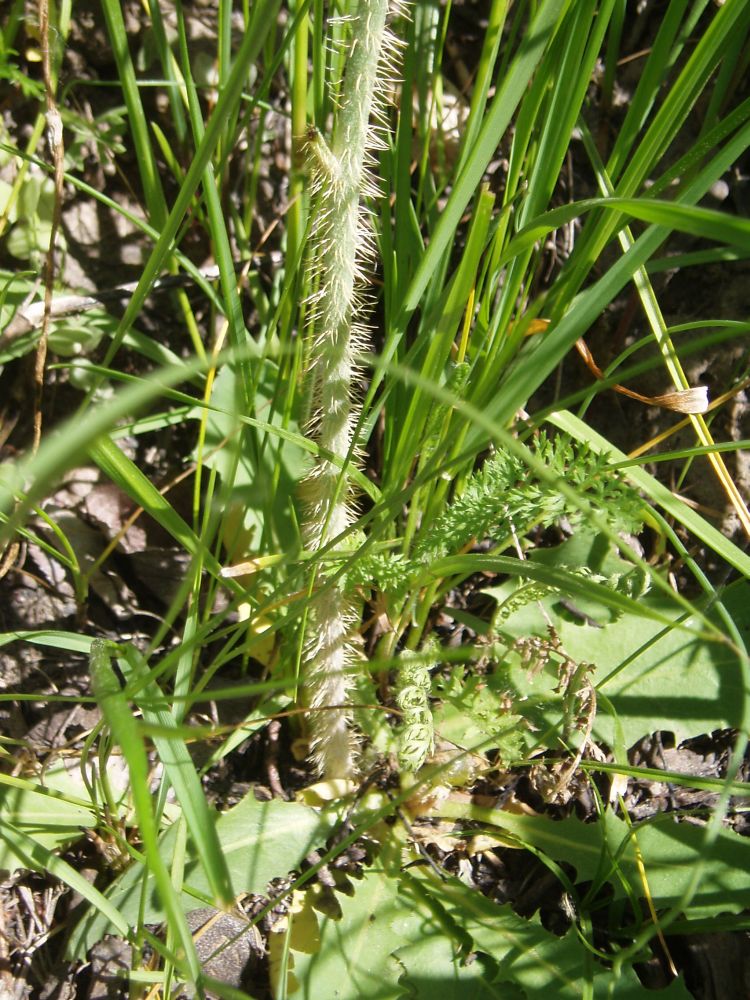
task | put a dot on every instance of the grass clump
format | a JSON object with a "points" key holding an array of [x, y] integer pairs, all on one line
{"points": [[421, 586]]}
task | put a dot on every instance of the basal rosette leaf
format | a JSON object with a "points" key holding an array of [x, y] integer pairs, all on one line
{"points": [[260, 841], [531, 962]]}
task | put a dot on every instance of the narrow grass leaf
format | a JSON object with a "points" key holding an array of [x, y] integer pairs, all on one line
{"points": [[38, 858], [124, 729], [125, 474], [498, 119], [174, 755]]}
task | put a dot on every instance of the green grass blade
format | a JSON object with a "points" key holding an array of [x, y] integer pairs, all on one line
{"points": [[483, 81], [730, 20], [707, 223], [183, 777], [217, 223], [447, 321], [23, 484], [137, 117], [665, 49], [535, 362], [560, 580], [264, 16], [497, 121], [122, 471], [40, 859], [124, 729]]}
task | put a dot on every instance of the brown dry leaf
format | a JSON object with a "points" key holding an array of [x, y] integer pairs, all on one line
{"points": [[693, 400], [441, 833]]}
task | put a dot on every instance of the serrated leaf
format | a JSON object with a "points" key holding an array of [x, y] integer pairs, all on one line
{"points": [[260, 841], [435, 971], [525, 953], [529, 957], [605, 851], [354, 956]]}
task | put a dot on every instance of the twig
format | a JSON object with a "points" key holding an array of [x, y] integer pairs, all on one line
{"points": [[55, 142], [30, 314]]}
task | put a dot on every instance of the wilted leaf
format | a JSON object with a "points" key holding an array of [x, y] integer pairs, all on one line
{"points": [[297, 931]]}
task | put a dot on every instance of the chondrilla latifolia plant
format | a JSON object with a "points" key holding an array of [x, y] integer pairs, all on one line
{"points": [[399, 528]]}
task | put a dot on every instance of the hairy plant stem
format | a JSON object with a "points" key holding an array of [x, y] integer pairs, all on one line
{"points": [[341, 244]]}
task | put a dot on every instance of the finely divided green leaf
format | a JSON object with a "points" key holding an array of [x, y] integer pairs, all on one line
{"points": [[657, 493]]}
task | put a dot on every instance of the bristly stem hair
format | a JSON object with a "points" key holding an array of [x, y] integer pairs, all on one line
{"points": [[341, 246]]}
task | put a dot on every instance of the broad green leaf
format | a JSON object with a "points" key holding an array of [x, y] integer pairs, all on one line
{"points": [[35, 856], [604, 852], [655, 677], [28, 239], [353, 960], [50, 818], [526, 954], [530, 957], [435, 970], [260, 841]]}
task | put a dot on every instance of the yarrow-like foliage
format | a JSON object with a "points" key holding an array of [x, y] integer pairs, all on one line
{"points": [[417, 731], [504, 496], [340, 250]]}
